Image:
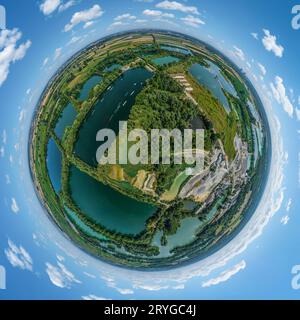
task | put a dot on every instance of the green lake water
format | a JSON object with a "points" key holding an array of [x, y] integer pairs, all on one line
{"points": [[88, 86], [112, 67], [184, 235], [54, 165], [113, 106], [100, 202], [165, 60], [108, 207], [213, 79], [67, 118], [177, 49]]}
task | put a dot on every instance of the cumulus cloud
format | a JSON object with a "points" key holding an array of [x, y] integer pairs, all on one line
{"points": [[7, 179], [239, 53], [18, 256], [45, 62], [73, 40], [92, 276], [93, 297], [297, 113], [284, 220], [84, 17], [280, 95], [192, 21], [254, 35], [225, 275], [10, 52], [88, 24], [60, 276], [125, 16], [117, 24], [4, 136], [288, 205], [125, 291], [270, 43], [14, 206], [66, 6], [157, 14], [174, 5], [57, 53], [49, 6], [262, 69]]}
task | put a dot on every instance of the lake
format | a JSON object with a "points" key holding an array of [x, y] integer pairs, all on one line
{"points": [[184, 235], [54, 160], [67, 118], [112, 67], [176, 49], [212, 78], [108, 207], [113, 106], [88, 86], [165, 60], [100, 202]]}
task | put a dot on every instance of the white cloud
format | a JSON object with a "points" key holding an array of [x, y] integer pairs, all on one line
{"points": [[239, 53], [157, 14], [270, 44], [57, 53], [225, 275], [18, 256], [73, 40], [117, 24], [125, 16], [88, 24], [93, 297], [192, 21], [297, 113], [299, 100], [125, 291], [45, 62], [14, 206], [10, 52], [60, 258], [4, 137], [279, 93], [254, 35], [49, 6], [60, 276], [2, 152], [89, 275], [66, 6], [284, 220], [84, 16], [262, 69], [288, 205], [140, 20], [174, 5], [7, 179]]}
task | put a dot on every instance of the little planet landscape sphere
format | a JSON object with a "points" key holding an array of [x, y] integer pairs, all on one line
{"points": [[149, 215]]}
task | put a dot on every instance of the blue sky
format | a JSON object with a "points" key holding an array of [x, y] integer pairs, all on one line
{"points": [[40, 36]]}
